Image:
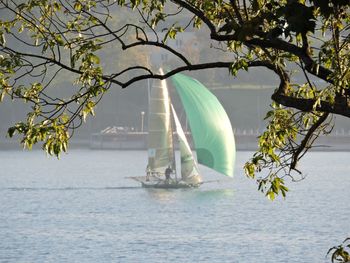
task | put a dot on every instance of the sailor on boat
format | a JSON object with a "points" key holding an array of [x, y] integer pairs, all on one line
{"points": [[148, 172]]}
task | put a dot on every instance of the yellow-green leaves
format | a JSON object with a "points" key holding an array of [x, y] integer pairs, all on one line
{"points": [[53, 133], [341, 253], [57, 7], [93, 59], [2, 38], [78, 6], [172, 32], [57, 143], [88, 109], [86, 54], [238, 65], [280, 131], [272, 186], [276, 186], [159, 16], [33, 92]]}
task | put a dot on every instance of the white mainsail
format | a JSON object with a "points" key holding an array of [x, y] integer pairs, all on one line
{"points": [[160, 134], [189, 168]]}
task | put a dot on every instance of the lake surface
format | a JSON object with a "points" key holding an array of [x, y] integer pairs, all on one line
{"points": [[82, 209]]}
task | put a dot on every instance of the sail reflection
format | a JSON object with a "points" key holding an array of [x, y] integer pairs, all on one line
{"points": [[188, 195]]}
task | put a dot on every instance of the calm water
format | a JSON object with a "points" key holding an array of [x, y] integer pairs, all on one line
{"points": [[82, 209]]}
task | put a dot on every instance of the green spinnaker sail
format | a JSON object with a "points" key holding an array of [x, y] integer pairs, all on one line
{"points": [[210, 126]]}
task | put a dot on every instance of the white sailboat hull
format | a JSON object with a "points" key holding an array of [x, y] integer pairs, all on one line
{"points": [[155, 182], [168, 185]]}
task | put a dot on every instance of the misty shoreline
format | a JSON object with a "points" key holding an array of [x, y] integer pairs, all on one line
{"points": [[248, 142]]}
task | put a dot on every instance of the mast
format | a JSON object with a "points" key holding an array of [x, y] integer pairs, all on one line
{"points": [[160, 135]]}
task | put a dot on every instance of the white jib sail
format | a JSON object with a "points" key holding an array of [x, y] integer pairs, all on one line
{"points": [[160, 134], [189, 168]]}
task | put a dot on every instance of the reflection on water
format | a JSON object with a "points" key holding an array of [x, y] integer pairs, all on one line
{"points": [[199, 194], [163, 195], [217, 193]]}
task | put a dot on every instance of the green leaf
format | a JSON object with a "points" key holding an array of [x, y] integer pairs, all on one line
{"points": [[94, 59], [78, 7], [59, 40], [11, 131], [271, 195], [57, 6], [2, 38]]}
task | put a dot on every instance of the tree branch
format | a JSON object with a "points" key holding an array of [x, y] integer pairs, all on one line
{"points": [[198, 13], [161, 45], [306, 139]]}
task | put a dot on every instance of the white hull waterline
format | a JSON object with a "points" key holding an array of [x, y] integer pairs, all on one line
{"points": [[160, 183]]}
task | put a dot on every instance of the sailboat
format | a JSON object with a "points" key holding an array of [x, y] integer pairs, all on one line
{"points": [[211, 131]]}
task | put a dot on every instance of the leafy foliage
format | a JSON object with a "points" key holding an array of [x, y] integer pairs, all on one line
{"points": [[41, 43], [341, 253]]}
